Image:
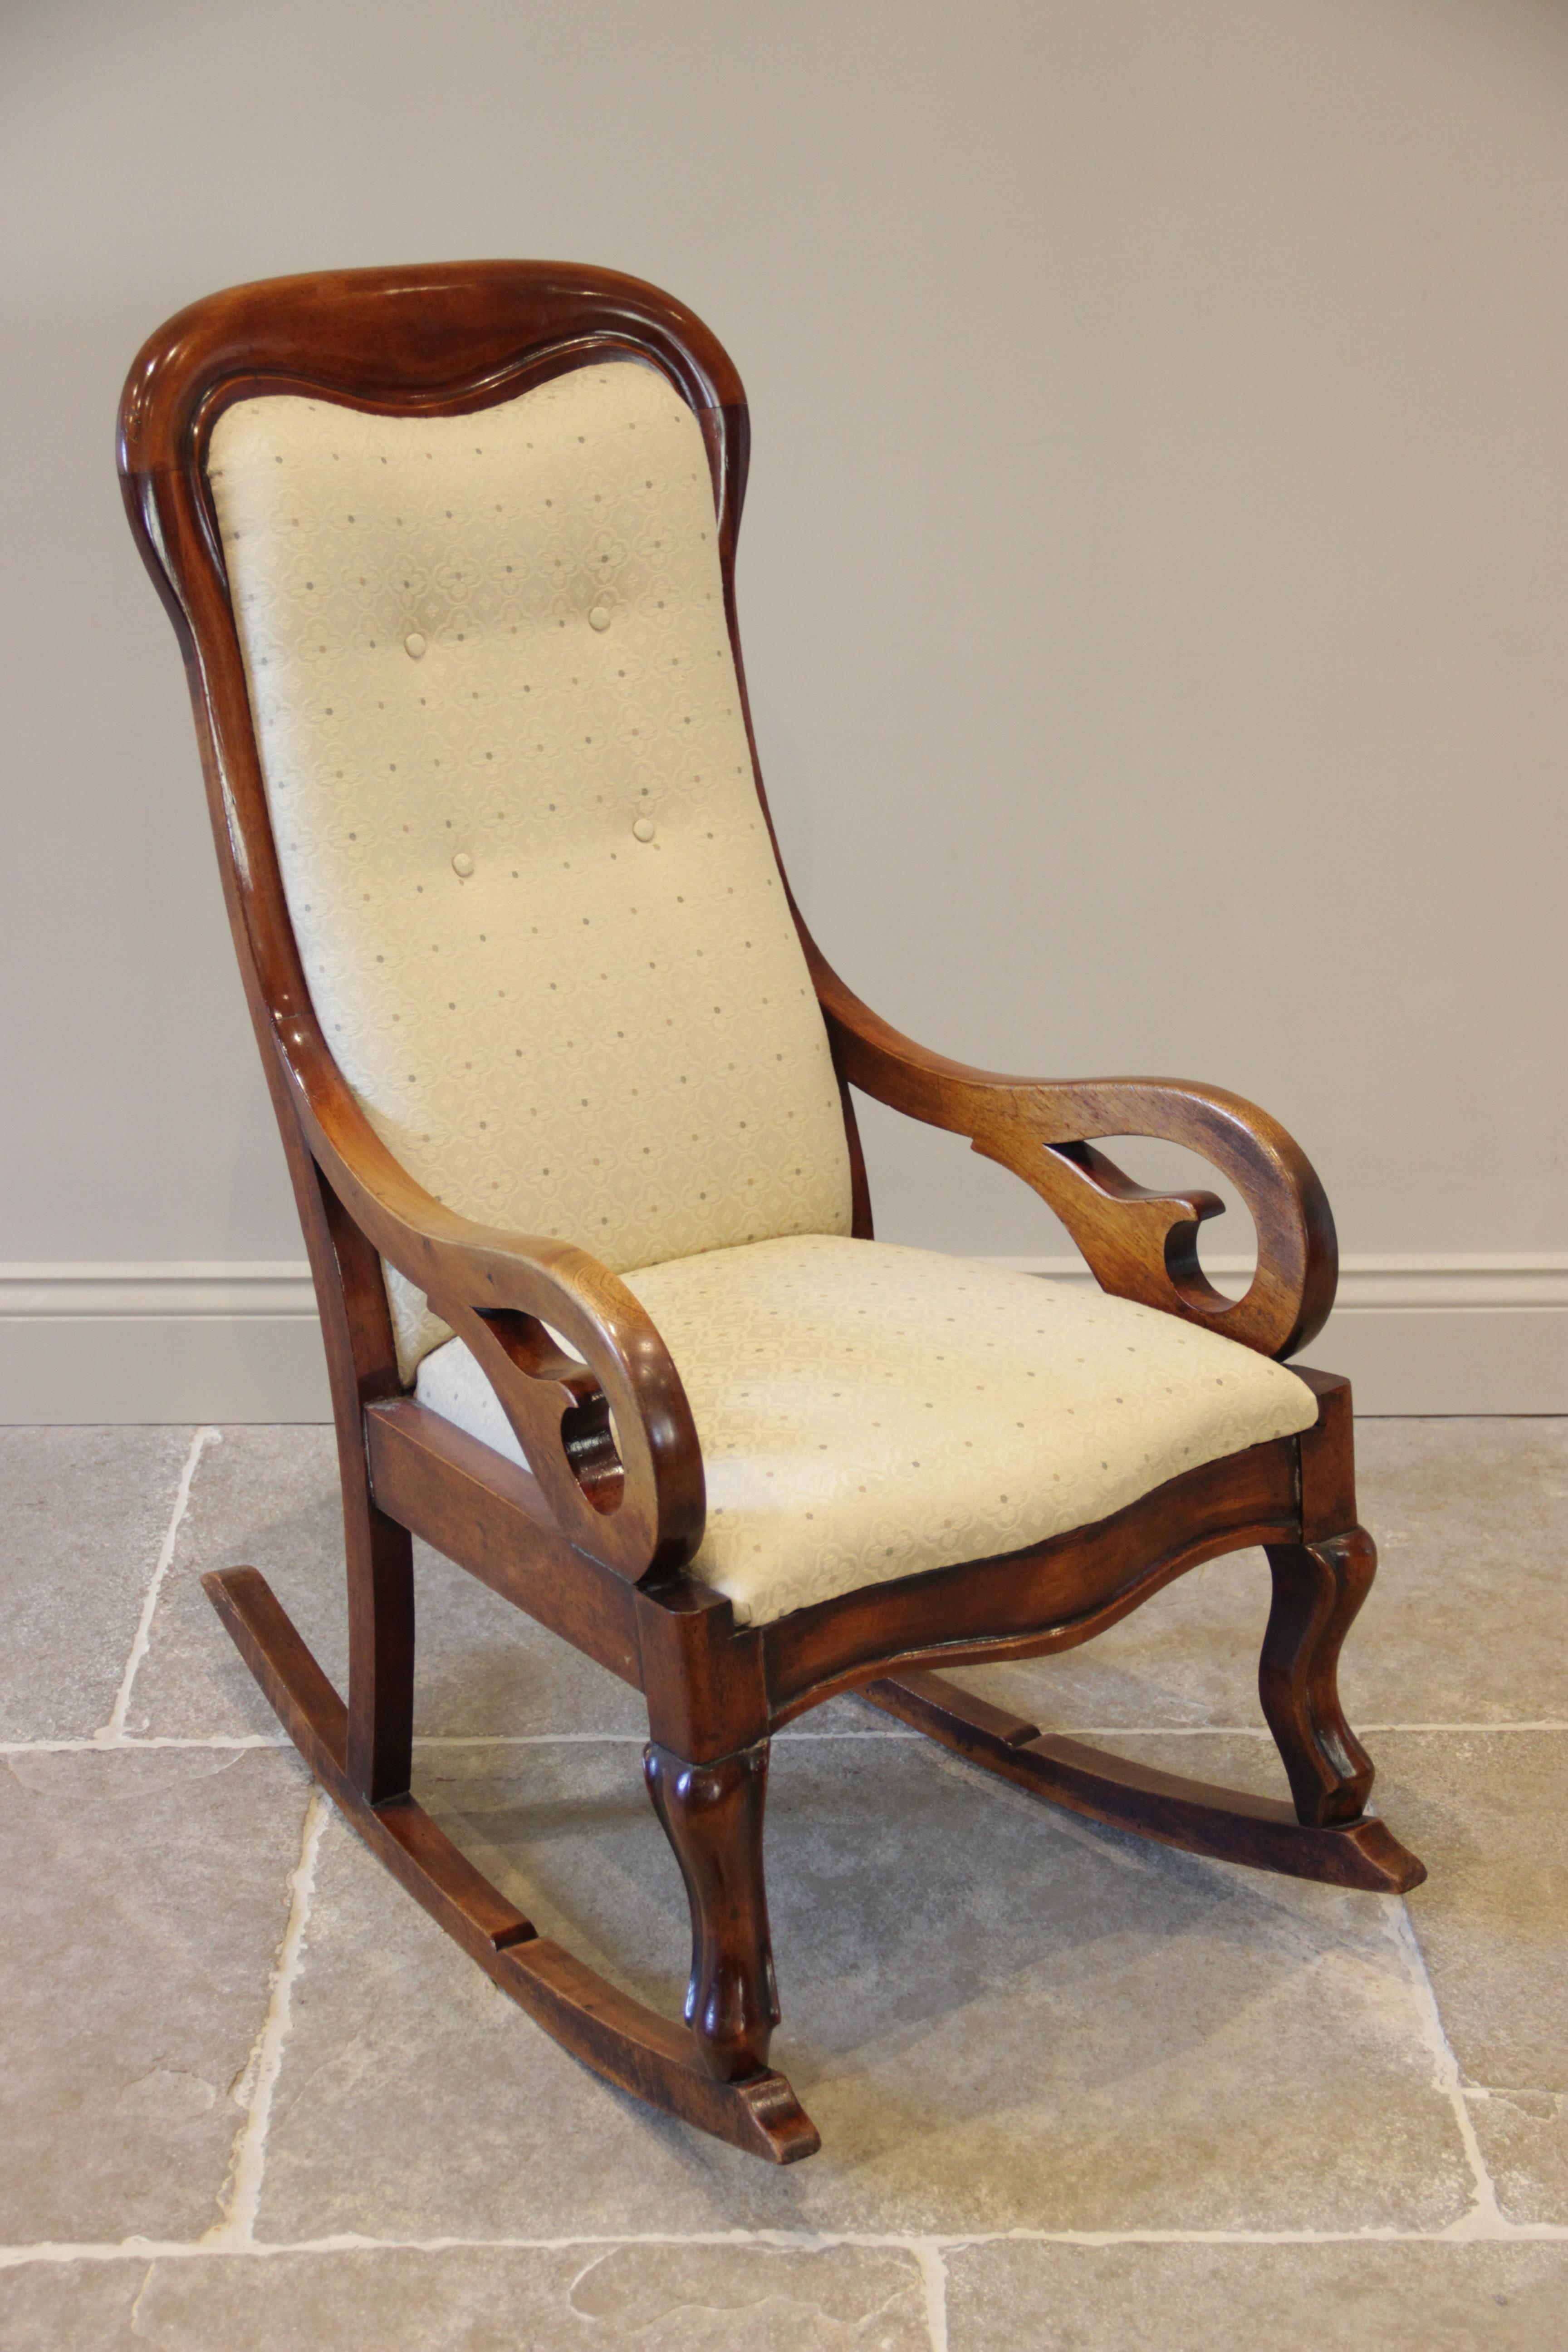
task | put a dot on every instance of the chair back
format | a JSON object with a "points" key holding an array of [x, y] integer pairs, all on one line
{"points": [[452, 552]]}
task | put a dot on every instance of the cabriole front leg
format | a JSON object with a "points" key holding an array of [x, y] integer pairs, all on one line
{"points": [[712, 1816], [1318, 1589]]}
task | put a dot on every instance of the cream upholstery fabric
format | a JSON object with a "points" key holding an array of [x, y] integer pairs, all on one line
{"points": [[481, 650], [866, 1412]]}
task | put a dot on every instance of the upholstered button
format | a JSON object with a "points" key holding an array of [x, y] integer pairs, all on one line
{"points": [[643, 828], [462, 865], [598, 618], [413, 645]]}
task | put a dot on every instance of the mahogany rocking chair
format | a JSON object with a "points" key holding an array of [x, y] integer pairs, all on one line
{"points": [[450, 552]]}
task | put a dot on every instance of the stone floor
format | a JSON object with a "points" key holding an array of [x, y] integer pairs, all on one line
{"points": [[1074, 2091]]}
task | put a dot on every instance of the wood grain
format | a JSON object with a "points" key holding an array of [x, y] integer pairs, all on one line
{"points": [[1225, 1823]]}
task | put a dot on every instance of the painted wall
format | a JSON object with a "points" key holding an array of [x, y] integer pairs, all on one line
{"points": [[1152, 576]]}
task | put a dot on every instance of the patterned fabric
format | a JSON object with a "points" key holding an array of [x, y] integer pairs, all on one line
{"points": [[866, 1412], [508, 777]]}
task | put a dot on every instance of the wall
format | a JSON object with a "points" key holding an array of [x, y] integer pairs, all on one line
{"points": [[1152, 578]]}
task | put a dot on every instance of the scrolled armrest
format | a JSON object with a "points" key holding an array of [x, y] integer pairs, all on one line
{"points": [[607, 1430], [1140, 1245]]}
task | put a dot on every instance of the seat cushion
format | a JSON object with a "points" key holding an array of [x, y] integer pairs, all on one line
{"points": [[866, 1412]]}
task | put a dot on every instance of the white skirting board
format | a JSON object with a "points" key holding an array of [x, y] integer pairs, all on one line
{"points": [[1465, 1333], [162, 1341]]}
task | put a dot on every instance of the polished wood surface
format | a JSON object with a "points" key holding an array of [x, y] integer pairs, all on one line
{"points": [[1141, 1245], [632, 2046], [712, 1816], [595, 1543], [1126, 1795], [1030, 1603]]}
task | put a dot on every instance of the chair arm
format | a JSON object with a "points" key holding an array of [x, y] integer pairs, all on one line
{"points": [[607, 1430], [1139, 1245]]}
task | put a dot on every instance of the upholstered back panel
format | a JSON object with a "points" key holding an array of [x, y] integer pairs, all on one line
{"points": [[500, 730]]}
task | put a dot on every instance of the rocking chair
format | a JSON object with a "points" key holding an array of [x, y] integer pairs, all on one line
{"points": [[564, 1087]]}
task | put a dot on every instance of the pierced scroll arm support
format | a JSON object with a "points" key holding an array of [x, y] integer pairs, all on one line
{"points": [[1140, 1245], [606, 1429]]}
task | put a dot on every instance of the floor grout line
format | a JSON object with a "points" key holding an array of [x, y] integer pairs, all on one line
{"points": [[238, 1741], [929, 2262], [804, 2241], [1484, 2218], [129, 1744], [1262, 1730], [236, 2228], [114, 1732], [612, 1739]]}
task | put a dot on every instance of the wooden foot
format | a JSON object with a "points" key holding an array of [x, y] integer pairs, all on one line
{"points": [[649, 2055], [1160, 1805]]}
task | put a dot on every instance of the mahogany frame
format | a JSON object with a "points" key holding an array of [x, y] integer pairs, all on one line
{"points": [[594, 1545]]}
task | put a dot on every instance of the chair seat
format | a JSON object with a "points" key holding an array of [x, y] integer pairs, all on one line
{"points": [[866, 1412]]}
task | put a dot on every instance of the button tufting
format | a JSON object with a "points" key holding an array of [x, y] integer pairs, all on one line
{"points": [[462, 865], [643, 829], [598, 618], [413, 645]]}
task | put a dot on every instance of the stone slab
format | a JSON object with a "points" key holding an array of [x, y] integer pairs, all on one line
{"points": [[999, 2018], [1523, 2138], [69, 2307], [621, 2298], [1258, 2298], [1488, 1812], [82, 1516], [146, 1894]]}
